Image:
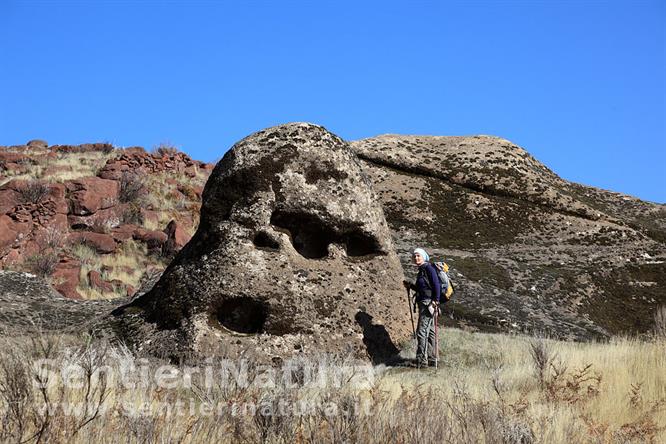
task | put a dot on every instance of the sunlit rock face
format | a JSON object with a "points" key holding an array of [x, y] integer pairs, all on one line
{"points": [[293, 254]]}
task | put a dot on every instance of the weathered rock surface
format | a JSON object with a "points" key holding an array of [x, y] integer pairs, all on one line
{"points": [[27, 210], [137, 161], [176, 238], [528, 250], [90, 194], [292, 254], [101, 243], [66, 277], [28, 304]]}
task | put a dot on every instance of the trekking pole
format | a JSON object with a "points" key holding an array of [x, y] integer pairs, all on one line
{"points": [[411, 314], [436, 337]]}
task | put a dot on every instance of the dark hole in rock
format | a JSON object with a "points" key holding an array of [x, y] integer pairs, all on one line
{"points": [[311, 238], [265, 240], [308, 234], [360, 244], [242, 315], [79, 226]]}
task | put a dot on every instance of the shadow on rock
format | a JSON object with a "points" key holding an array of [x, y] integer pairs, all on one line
{"points": [[377, 341]]}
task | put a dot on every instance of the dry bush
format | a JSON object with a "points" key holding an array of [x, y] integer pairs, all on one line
{"points": [[131, 187], [43, 264], [15, 395], [52, 237], [33, 192], [103, 225], [165, 149], [660, 322], [542, 357], [132, 214]]}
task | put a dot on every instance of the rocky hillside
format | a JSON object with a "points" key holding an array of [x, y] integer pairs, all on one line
{"points": [[92, 218], [528, 250]]}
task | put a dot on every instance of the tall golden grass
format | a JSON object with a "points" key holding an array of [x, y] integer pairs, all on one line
{"points": [[489, 388]]}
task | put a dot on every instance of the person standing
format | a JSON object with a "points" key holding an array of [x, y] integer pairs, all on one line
{"points": [[428, 293]]}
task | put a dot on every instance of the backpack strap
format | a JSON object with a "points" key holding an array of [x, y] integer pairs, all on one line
{"points": [[426, 278]]}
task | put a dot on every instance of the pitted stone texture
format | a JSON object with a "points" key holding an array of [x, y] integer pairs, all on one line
{"points": [[292, 254]]}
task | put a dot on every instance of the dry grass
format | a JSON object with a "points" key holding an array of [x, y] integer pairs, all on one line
{"points": [[161, 199], [579, 391], [127, 265], [486, 391], [63, 167], [660, 322]]}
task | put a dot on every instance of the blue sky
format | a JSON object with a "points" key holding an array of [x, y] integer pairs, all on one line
{"points": [[580, 84]]}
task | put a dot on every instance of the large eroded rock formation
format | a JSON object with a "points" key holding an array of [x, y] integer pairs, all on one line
{"points": [[292, 254]]}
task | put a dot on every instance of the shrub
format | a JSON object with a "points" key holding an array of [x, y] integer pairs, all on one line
{"points": [[131, 187], [165, 149], [660, 322], [132, 214], [188, 191], [34, 192], [43, 264], [542, 358], [52, 237], [102, 225]]}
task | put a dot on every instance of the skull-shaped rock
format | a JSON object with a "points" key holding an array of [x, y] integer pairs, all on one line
{"points": [[292, 254]]}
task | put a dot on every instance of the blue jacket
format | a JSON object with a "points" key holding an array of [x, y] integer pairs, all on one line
{"points": [[427, 283]]}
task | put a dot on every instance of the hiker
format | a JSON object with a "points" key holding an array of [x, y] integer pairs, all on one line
{"points": [[428, 293]]}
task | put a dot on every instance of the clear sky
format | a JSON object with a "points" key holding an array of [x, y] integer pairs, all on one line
{"points": [[580, 84]]}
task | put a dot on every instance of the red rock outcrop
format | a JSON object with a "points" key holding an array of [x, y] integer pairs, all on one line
{"points": [[176, 238], [91, 194], [25, 212], [138, 161], [102, 243], [65, 278], [37, 216]]}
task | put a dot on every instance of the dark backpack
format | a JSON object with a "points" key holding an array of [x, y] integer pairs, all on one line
{"points": [[446, 286]]}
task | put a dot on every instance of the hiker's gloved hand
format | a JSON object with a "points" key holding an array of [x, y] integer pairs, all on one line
{"points": [[407, 284]]}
